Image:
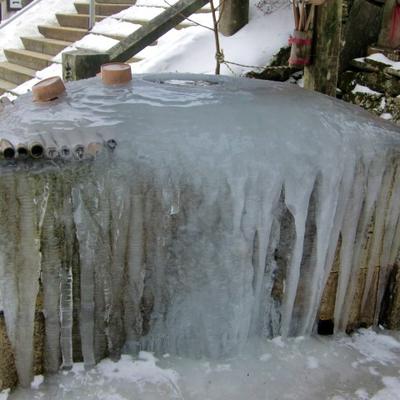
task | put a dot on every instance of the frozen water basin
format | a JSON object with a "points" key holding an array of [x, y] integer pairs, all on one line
{"points": [[362, 367], [215, 221]]}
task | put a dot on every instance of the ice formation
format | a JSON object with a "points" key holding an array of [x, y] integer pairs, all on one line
{"points": [[216, 219]]}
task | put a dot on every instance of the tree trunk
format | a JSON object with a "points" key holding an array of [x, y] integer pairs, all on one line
{"points": [[234, 16], [322, 74]]}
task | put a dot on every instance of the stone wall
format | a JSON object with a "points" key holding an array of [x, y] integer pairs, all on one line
{"points": [[373, 83]]}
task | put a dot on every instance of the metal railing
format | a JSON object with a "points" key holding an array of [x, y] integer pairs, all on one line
{"points": [[92, 13], [19, 13]]}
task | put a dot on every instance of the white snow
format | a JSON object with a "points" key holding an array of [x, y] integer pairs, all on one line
{"points": [[365, 90], [379, 57], [387, 116], [114, 27], [42, 13], [141, 13], [193, 49]]}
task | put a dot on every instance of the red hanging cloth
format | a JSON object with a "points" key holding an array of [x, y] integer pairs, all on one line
{"points": [[395, 26]]}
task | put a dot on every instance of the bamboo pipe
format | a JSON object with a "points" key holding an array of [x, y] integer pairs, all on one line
{"points": [[65, 152], [51, 152], [79, 151], [22, 151], [295, 15], [36, 150], [93, 149], [310, 18], [111, 144], [7, 150]]}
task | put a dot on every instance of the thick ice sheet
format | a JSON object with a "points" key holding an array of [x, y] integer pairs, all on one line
{"points": [[363, 367]]}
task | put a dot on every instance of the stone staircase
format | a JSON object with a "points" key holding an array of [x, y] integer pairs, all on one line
{"points": [[39, 51]]}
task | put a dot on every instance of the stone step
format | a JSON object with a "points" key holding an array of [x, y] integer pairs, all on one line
{"points": [[76, 20], [101, 9], [62, 33], [15, 73], [44, 45], [6, 86], [29, 59]]}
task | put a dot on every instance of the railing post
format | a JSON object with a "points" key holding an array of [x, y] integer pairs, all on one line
{"points": [[92, 14]]}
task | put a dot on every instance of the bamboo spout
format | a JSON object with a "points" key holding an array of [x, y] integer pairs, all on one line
{"points": [[22, 151], [7, 150], [36, 150], [65, 153], [111, 144], [79, 151], [52, 152], [93, 149]]}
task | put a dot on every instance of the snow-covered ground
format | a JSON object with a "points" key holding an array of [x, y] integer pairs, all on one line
{"points": [[185, 50], [365, 366]]}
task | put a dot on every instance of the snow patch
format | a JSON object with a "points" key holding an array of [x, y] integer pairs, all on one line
{"points": [[365, 90]]}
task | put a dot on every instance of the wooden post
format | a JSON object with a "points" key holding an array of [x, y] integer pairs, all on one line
{"points": [[390, 31], [322, 74], [234, 16], [82, 64]]}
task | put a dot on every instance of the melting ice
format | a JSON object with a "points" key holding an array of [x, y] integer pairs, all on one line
{"points": [[216, 219]]}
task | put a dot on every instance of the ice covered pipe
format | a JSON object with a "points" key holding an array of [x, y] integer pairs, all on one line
{"points": [[79, 151], [230, 209], [36, 150], [51, 152], [7, 150], [65, 152], [22, 151]]}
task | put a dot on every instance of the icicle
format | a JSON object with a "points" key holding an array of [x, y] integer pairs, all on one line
{"points": [[353, 225], [297, 200], [87, 240], [27, 263], [328, 238], [66, 296], [136, 272], [50, 276], [120, 206], [377, 233], [8, 250]]}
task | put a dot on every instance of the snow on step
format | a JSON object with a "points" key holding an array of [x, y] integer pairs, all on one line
{"points": [[144, 13], [114, 27], [92, 41]]}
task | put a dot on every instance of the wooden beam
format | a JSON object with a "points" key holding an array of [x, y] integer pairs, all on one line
{"points": [[154, 29], [234, 16]]}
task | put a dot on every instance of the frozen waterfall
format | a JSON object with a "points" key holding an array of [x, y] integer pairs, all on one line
{"points": [[217, 218]]}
